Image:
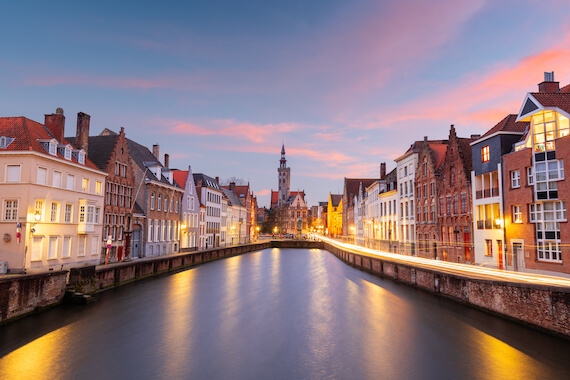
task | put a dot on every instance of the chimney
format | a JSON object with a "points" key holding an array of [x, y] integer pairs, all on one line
{"points": [[55, 123], [232, 186], [166, 160], [475, 137], [218, 180], [382, 170], [549, 85], [82, 135], [155, 151]]}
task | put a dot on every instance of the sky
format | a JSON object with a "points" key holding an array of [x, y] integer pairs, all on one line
{"points": [[221, 85]]}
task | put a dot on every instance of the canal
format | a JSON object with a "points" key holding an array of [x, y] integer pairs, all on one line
{"points": [[275, 314]]}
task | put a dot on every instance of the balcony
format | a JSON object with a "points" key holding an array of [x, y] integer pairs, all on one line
{"points": [[487, 193]]}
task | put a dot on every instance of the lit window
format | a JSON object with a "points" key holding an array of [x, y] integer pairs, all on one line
{"points": [[488, 247], [485, 154], [98, 187], [517, 214], [39, 209], [85, 184]]}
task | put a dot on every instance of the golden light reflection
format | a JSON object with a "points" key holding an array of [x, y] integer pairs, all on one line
{"points": [[498, 360], [35, 359], [178, 322]]}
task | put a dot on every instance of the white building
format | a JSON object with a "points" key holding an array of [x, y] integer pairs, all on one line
{"points": [[52, 198]]}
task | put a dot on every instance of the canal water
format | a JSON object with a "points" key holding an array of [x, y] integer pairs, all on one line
{"points": [[275, 314]]}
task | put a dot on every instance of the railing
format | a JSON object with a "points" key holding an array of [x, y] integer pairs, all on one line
{"points": [[487, 193]]}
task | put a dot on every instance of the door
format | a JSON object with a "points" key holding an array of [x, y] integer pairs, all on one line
{"points": [[517, 256], [500, 254], [136, 242]]}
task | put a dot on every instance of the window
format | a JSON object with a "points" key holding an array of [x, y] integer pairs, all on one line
{"points": [[67, 215], [40, 209], [517, 214], [547, 126], [81, 214], [42, 176], [485, 154], [54, 212], [159, 202], [488, 247], [67, 153], [52, 247], [37, 247], [81, 157], [166, 203], [456, 204], [11, 210], [66, 246], [515, 179], [464, 209], [549, 251], [151, 230], [81, 245], [56, 182], [98, 187], [449, 204], [425, 168], [405, 171], [176, 207], [70, 182], [95, 245], [452, 176], [152, 201], [85, 184], [12, 173], [5, 141]]}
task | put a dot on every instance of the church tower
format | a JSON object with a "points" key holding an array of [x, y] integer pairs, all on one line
{"points": [[284, 180]]}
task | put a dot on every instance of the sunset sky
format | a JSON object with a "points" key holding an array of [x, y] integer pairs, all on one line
{"points": [[220, 85]]}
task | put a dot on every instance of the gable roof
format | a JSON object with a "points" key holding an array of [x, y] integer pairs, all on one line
{"points": [[143, 158], [335, 199], [508, 124], [26, 134], [553, 99], [351, 185], [233, 199], [180, 177], [207, 181]]}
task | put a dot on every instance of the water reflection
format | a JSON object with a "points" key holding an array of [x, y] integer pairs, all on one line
{"points": [[279, 314]]}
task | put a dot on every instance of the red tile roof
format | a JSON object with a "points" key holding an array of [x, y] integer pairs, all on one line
{"points": [[508, 124], [556, 99], [26, 133], [180, 177], [565, 89]]}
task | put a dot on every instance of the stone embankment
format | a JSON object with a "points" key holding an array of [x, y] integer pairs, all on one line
{"points": [[546, 308]]}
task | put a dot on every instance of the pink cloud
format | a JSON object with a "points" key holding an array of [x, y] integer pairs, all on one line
{"points": [[262, 192], [481, 99], [257, 133]]}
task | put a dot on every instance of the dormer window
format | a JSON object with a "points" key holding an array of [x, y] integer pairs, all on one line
{"points": [[79, 155], [65, 151], [5, 141], [50, 146]]}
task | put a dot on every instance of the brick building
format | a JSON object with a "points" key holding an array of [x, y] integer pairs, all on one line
{"points": [[428, 174], [454, 197], [537, 231], [110, 152], [158, 198]]}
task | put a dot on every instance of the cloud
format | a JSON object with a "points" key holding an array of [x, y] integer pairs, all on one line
{"points": [[478, 99], [257, 133], [262, 192]]}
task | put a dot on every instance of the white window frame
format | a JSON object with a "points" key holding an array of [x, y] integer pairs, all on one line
{"points": [[517, 214], [11, 210], [54, 212], [8, 174], [68, 215], [515, 179]]}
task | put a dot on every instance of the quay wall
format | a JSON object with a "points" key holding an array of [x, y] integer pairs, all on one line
{"points": [[546, 308], [23, 294]]}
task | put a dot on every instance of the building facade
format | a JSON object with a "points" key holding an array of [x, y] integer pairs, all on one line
{"points": [[190, 210], [52, 198]]}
